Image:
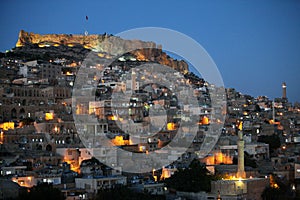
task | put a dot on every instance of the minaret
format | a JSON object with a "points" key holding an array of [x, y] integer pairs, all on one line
{"points": [[240, 144], [273, 110], [133, 80], [284, 90]]}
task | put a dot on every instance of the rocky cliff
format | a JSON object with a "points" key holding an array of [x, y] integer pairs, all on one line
{"points": [[26, 38], [144, 51]]}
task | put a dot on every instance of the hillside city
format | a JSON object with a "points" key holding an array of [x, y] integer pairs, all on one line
{"points": [[88, 125]]}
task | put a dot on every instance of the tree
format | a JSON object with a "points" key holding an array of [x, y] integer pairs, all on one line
{"points": [[92, 161], [272, 140], [27, 121], [195, 178], [248, 160], [277, 190], [43, 191], [124, 193]]}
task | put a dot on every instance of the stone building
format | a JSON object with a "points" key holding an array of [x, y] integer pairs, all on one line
{"points": [[239, 189], [21, 102]]}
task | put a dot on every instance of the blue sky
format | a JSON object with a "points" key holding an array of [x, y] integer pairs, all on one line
{"points": [[255, 44]]}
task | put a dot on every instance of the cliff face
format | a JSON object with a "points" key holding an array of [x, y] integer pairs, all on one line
{"points": [[144, 51], [157, 55], [56, 39]]}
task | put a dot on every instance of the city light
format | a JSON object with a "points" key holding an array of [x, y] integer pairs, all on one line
{"points": [[7, 125], [136, 120], [49, 116]]}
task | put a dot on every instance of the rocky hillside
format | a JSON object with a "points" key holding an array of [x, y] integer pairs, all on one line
{"points": [[70, 45]]}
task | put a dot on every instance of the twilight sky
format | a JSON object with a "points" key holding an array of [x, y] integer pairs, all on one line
{"points": [[255, 44]]}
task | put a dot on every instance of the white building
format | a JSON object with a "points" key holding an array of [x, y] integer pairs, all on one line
{"points": [[93, 184]]}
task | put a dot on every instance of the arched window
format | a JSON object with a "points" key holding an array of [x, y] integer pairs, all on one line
{"points": [[13, 113]]}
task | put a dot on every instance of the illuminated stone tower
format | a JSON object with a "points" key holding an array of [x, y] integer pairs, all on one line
{"points": [[284, 90], [240, 144]]}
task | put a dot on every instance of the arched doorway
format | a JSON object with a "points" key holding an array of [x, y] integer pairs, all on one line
{"points": [[22, 113], [13, 113], [48, 147], [68, 140], [38, 147]]}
